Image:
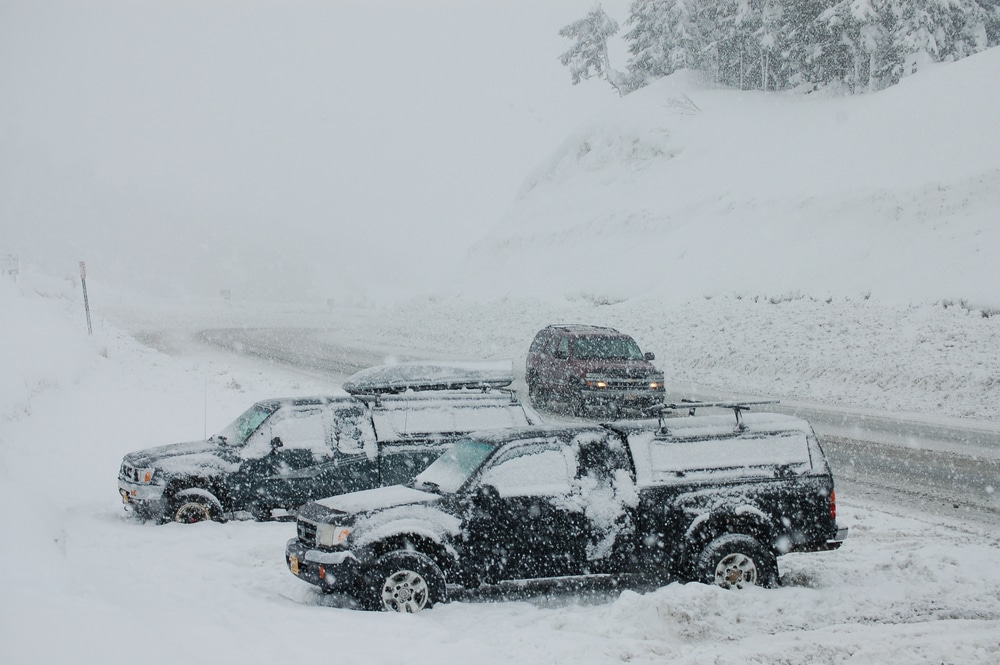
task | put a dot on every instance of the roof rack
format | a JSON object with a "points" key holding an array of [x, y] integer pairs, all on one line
{"points": [[691, 405]]}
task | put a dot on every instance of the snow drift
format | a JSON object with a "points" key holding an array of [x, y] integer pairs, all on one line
{"points": [[686, 189]]}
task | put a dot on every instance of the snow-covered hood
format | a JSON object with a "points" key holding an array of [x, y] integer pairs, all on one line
{"points": [[204, 458], [376, 499]]}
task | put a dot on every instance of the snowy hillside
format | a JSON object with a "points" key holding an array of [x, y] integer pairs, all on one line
{"points": [[685, 190]]}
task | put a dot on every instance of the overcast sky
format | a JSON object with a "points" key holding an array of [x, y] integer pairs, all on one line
{"points": [[281, 149]]}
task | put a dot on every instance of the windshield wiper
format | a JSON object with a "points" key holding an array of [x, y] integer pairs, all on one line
{"points": [[429, 486]]}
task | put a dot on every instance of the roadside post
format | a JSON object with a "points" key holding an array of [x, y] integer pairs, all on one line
{"points": [[9, 265], [86, 302]]}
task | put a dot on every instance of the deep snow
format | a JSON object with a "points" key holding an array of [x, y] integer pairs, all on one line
{"points": [[834, 250], [906, 588]]}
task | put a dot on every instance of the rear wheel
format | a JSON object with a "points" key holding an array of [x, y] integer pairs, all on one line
{"points": [[737, 561], [406, 581]]}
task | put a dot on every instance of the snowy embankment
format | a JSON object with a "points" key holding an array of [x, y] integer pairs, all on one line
{"points": [[683, 190], [904, 589]]}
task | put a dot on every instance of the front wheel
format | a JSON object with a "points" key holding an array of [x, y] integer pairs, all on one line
{"points": [[737, 561], [407, 581], [190, 507]]}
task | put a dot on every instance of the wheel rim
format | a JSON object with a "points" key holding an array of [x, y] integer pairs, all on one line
{"points": [[736, 571], [405, 591], [191, 512]]}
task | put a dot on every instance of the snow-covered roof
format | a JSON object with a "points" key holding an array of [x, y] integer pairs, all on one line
{"points": [[437, 375]]}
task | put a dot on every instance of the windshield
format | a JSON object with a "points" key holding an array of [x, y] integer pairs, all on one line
{"points": [[451, 470], [236, 433], [619, 348]]}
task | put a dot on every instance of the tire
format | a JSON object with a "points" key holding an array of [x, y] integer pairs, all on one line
{"points": [[193, 508], [406, 581], [737, 561]]}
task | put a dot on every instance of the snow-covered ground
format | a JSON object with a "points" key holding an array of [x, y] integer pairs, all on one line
{"points": [[83, 583], [840, 251]]}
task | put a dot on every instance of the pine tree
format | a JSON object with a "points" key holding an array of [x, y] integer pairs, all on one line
{"points": [[864, 45], [589, 55]]}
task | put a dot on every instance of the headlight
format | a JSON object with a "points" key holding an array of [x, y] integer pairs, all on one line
{"points": [[330, 535], [137, 475], [595, 381]]}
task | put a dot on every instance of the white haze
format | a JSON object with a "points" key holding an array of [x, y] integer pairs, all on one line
{"points": [[284, 150]]}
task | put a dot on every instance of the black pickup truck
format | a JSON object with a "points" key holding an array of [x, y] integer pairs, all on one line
{"points": [[281, 453], [697, 498]]}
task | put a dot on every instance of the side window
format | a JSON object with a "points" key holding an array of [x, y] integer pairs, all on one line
{"points": [[542, 469], [562, 348], [302, 429], [352, 431]]}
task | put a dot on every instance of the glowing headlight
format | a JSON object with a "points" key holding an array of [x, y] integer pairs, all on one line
{"points": [[654, 385], [592, 381], [329, 535]]}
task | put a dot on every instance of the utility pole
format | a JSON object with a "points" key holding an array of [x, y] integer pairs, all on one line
{"points": [[86, 302]]}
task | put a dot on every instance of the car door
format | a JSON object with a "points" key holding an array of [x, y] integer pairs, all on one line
{"points": [[284, 460], [607, 493], [525, 523]]}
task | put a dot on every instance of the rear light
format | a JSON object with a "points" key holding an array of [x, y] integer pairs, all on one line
{"points": [[833, 505], [322, 572]]}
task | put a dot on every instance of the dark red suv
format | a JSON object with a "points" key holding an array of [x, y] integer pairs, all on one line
{"points": [[591, 369]]}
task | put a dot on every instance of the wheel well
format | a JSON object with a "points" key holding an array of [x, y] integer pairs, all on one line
{"points": [[750, 523], [414, 543], [197, 488]]}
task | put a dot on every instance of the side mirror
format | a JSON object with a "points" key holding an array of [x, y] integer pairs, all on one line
{"points": [[649, 355], [485, 497], [276, 443]]}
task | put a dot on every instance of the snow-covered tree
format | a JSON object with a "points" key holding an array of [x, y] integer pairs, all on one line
{"points": [[862, 45], [667, 35], [589, 54]]}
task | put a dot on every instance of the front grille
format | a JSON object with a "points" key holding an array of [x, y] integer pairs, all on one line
{"points": [[627, 384], [129, 472], [306, 532]]}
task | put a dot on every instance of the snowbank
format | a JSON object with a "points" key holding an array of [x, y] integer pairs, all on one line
{"points": [[687, 190]]}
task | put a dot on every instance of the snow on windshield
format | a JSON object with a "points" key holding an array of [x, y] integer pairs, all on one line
{"points": [[237, 431], [450, 471]]}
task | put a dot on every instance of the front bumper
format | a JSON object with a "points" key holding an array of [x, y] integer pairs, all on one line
{"points": [[636, 400], [330, 570], [145, 500]]}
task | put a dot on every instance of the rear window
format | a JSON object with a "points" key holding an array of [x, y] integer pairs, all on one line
{"points": [[666, 461]]}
